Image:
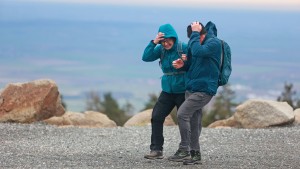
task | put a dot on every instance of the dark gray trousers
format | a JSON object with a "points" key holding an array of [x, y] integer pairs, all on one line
{"points": [[189, 119]]}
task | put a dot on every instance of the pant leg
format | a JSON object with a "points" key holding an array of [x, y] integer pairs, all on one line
{"points": [[189, 115], [179, 99], [196, 120], [161, 110]]}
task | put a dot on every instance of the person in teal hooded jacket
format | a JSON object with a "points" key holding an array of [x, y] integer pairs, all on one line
{"points": [[203, 69], [167, 48]]}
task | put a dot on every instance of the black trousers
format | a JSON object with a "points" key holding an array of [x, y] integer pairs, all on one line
{"points": [[163, 107]]}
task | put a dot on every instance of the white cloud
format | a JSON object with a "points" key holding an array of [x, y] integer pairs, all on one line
{"points": [[72, 92], [152, 82], [260, 96], [240, 87], [274, 93], [52, 62]]}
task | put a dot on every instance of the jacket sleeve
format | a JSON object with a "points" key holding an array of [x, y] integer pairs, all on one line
{"points": [[187, 63], [152, 52], [198, 50]]}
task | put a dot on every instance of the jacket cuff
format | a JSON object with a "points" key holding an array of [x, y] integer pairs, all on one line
{"points": [[152, 41]]}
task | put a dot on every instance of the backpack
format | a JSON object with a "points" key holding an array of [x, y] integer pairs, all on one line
{"points": [[179, 51], [225, 65]]}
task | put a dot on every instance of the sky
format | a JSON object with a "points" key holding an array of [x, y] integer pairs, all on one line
{"points": [[239, 4]]}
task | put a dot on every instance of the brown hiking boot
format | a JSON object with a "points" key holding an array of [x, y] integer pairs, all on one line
{"points": [[154, 154]]}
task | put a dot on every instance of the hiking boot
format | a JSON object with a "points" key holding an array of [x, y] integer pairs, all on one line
{"points": [[195, 158], [179, 156], [154, 154]]}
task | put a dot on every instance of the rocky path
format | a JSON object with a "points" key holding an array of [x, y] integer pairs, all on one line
{"points": [[44, 146]]}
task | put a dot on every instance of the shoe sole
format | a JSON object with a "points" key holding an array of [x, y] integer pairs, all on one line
{"points": [[153, 158], [194, 163], [179, 160]]}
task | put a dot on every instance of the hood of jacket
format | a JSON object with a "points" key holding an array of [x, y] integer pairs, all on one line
{"points": [[169, 32], [211, 29]]}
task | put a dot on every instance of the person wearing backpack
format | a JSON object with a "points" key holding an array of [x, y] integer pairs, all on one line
{"points": [[203, 69], [166, 47]]}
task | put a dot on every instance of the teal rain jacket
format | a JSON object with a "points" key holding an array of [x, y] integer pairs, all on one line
{"points": [[173, 80], [203, 66]]}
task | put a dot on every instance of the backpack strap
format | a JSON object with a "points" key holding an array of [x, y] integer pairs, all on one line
{"points": [[179, 49], [221, 60], [222, 55], [162, 54]]}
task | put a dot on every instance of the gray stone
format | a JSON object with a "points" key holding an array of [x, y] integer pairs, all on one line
{"points": [[257, 113]]}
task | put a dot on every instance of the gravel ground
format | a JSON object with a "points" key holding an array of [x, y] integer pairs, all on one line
{"points": [[43, 146]]}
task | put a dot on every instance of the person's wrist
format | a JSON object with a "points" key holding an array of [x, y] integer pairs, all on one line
{"points": [[153, 42]]}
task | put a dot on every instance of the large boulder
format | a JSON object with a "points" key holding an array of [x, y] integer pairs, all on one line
{"points": [[30, 102], [225, 123], [263, 113], [88, 119], [297, 117], [258, 114], [144, 119]]}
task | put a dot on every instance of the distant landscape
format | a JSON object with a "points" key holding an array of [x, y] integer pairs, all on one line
{"points": [[99, 48]]}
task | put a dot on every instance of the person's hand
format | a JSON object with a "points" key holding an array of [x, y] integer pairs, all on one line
{"points": [[159, 37], [196, 26], [178, 63], [183, 57]]}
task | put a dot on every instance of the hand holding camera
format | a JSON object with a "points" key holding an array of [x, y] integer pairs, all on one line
{"points": [[159, 37], [178, 63]]}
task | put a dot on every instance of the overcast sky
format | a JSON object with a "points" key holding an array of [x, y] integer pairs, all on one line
{"points": [[240, 4]]}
